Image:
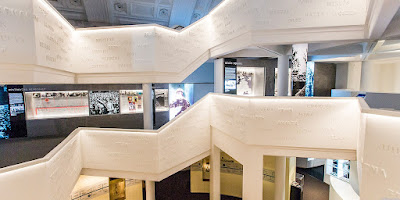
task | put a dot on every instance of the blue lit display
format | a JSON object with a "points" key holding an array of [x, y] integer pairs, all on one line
{"points": [[5, 124]]}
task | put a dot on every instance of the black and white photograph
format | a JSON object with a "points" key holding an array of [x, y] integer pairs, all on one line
{"points": [[250, 81], [161, 100], [104, 102]]}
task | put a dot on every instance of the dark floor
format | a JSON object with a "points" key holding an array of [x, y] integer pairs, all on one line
{"points": [[177, 187], [315, 189]]}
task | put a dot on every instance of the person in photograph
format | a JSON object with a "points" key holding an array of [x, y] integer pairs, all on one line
{"points": [[180, 101]]}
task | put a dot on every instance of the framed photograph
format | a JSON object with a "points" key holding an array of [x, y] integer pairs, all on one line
{"points": [[104, 103]]}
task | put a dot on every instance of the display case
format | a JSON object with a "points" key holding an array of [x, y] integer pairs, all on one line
{"points": [[56, 104]]}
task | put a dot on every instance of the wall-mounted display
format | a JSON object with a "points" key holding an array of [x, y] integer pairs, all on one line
{"points": [[230, 80], [161, 100], [250, 81], [310, 79], [5, 124], [17, 111], [56, 104], [131, 101], [180, 98], [104, 102]]}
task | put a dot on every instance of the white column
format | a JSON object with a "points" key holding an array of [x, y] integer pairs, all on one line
{"points": [[148, 106], [253, 177], [283, 75], [219, 75], [148, 124], [280, 178], [150, 190], [215, 176]]}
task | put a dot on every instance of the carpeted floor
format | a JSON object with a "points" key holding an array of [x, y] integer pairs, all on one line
{"points": [[177, 187], [315, 189]]}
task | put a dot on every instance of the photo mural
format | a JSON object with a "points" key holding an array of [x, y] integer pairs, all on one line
{"points": [[5, 124], [180, 98], [104, 102], [299, 71]]}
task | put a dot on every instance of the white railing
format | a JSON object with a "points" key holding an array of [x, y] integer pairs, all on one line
{"points": [[321, 127]]}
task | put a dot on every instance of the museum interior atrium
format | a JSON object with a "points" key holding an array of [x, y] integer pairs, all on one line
{"points": [[199, 99]]}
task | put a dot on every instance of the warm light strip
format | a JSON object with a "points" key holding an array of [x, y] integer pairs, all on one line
{"points": [[52, 10]]}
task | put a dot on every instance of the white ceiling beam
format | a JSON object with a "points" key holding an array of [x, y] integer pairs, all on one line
{"points": [[318, 46], [276, 50], [250, 53], [182, 11], [381, 14]]}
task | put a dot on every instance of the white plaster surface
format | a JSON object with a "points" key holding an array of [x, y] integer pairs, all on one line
{"points": [[155, 155], [43, 37], [381, 158]]}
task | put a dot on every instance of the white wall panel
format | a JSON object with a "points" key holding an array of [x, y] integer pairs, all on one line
{"points": [[17, 38], [28, 74], [308, 13], [156, 49], [289, 122], [120, 150], [54, 37], [381, 158], [25, 183], [63, 170], [185, 136], [115, 50], [244, 127]]}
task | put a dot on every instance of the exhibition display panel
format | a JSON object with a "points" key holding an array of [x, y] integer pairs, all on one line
{"points": [[180, 98], [131, 101], [161, 102], [56, 104], [104, 103], [250, 81], [5, 124], [243, 80]]}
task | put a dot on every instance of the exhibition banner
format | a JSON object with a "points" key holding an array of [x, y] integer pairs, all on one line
{"points": [[299, 69], [5, 123], [230, 84], [17, 111], [180, 98], [310, 79], [104, 102]]}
